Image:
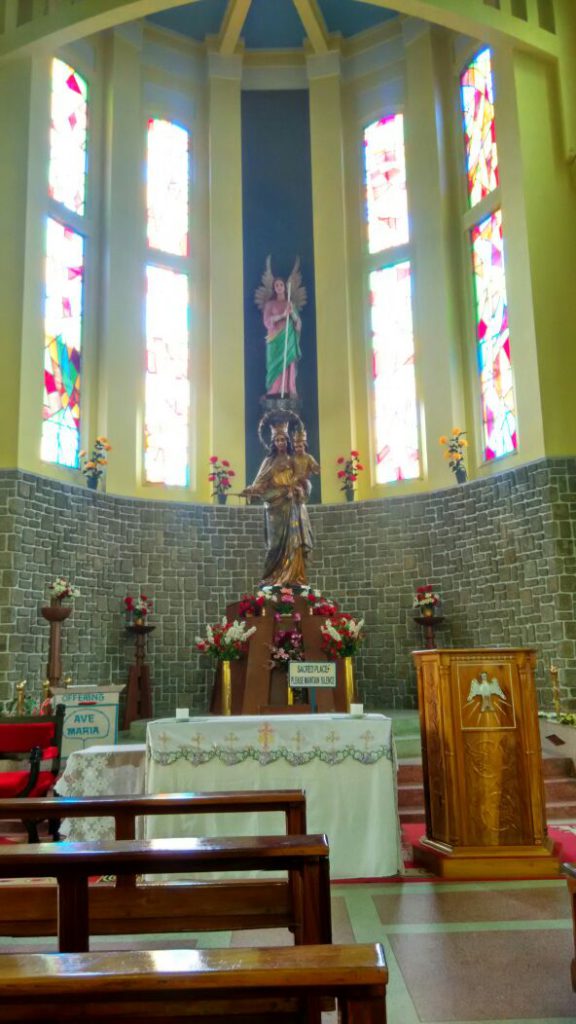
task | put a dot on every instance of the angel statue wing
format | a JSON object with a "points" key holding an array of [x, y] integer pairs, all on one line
{"points": [[266, 289], [298, 295]]}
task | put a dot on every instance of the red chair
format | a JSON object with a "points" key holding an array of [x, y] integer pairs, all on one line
{"points": [[31, 740]]}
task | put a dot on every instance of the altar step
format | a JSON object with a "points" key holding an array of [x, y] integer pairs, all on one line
{"points": [[559, 788]]}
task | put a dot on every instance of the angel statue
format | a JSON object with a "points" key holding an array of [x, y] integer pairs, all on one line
{"points": [[281, 302]]}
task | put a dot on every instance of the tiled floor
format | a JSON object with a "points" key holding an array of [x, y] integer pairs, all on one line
{"points": [[458, 953]]}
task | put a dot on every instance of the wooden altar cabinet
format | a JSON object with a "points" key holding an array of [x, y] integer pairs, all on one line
{"points": [[482, 765], [257, 687]]}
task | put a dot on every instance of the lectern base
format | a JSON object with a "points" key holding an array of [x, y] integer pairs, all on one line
{"points": [[481, 862]]}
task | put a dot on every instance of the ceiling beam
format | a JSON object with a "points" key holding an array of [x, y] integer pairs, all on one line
{"points": [[232, 25], [314, 24]]}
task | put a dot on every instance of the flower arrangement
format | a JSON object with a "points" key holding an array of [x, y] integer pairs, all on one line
{"points": [[93, 463], [319, 605], [219, 476], [61, 588], [351, 467], [342, 635], [281, 597], [251, 604], [455, 446], [426, 600], [287, 647], [225, 641], [139, 607]]}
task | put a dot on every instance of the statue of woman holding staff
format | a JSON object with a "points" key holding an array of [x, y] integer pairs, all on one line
{"points": [[280, 305]]}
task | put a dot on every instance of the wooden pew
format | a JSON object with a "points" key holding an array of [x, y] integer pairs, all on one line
{"points": [[570, 872], [305, 858], [152, 906], [221, 985]]}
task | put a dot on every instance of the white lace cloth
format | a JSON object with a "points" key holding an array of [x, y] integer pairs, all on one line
{"points": [[346, 766], [100, 771]]}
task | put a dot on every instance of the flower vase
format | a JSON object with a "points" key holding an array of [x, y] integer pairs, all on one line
{"points": [[349, 494], [226, 688], [222, 498], [92, 483], [348, 682], [461, 474], [427, 612]]}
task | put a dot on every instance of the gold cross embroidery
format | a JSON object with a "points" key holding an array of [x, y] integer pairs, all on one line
{"points": [[332, 737], [265, 734], [367, 737], [297, 740], [231, 739], [197, 740]]}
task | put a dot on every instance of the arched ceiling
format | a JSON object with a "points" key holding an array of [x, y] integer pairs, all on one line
{"points": [[272, 24]]}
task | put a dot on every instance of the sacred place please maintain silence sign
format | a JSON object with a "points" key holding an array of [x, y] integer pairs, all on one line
{"points": [[312, 673]]}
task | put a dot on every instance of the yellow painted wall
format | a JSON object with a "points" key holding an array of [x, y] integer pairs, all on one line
{"points": [[15, 84], [539, 200], [550, 200]]}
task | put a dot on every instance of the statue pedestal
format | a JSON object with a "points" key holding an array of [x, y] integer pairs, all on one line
{"points": [[483, 786], [255, 686]]}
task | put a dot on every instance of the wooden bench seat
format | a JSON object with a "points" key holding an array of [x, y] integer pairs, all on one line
{"points": [[305, 858], [178, 985], [149, 907]]}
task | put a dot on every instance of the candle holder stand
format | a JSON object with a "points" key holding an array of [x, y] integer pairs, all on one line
{"points": [[138, 696]]}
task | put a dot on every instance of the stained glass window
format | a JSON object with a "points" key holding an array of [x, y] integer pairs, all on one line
{"points": [[477, 94], [68, 136], [496, 384], [168, 183], [396, 423], [167, 383], [62, 345], [385, 183]]}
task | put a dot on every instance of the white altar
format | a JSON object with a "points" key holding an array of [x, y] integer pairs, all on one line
{"points": [[346, 766]]}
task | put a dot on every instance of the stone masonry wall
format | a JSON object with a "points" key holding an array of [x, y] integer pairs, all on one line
{"points": [[499, 551]]}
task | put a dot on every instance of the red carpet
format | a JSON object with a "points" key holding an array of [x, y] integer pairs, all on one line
{"points": [[563, 837]]}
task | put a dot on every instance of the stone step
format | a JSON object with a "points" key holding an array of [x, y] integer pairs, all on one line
{"points": [[558, 767], [410, 796], [557, 789], [409, 773]]}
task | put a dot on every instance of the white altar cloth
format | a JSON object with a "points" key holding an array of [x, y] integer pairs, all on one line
{"points": [[346, 766], [117, 770]]}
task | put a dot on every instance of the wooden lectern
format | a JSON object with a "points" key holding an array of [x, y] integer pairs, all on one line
{"points": [[485, 811]]}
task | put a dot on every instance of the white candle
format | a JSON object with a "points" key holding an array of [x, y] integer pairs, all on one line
{"points": [[357, 710], [182, 713]]}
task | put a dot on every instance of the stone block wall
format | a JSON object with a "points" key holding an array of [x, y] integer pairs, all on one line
{"points": [[499, 551]]}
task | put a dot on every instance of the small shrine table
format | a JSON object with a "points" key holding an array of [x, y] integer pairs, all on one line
{"points": [[101, 771], [346, 766]]}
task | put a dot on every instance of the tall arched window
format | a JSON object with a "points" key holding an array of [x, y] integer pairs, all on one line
{"points": [[64, 274], [395, 418], [166, 450], [483, 224]]}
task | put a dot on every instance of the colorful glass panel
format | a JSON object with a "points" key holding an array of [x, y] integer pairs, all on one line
{"points": [[396, 417], [168, 185], [495, 367], [385, 183], [68, 137], [167, 382], [62, 344], [477, 95]]}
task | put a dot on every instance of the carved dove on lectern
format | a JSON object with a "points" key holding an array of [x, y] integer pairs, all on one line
{"points": [[486, 689]]}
